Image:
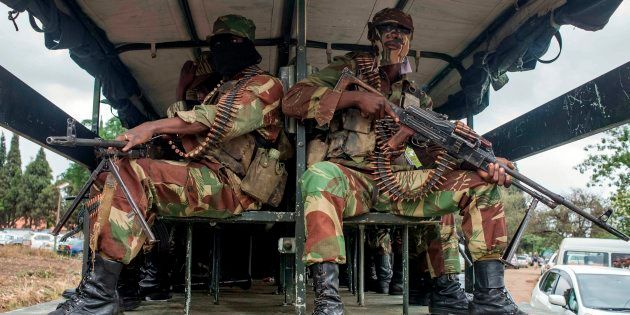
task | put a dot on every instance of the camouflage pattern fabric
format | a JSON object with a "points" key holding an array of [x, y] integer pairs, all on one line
{"points": [[439, 246], [332, 192], [236, 25], [202, 188], [340, 187]]}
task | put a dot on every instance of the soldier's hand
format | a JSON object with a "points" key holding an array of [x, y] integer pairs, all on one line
{"points": [[370, 104], [186, 78], [496, 173], [138, 135]]}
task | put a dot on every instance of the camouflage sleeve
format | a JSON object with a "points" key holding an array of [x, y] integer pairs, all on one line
{"points": [[258, 109], [313, 97]]}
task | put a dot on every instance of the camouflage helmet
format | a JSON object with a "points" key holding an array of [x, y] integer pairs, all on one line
{"points": [[388, 16], [237, 25]]}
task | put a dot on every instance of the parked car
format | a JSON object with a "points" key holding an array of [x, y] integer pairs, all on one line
{"points": [[530, 261], [70, 247], [8, 239], [521, 261], [571, 289], [43, 241], [550, 263], [594, 252]]}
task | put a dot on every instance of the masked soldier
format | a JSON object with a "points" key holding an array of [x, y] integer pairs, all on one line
{"points": [[219, 138], [343, 184]]}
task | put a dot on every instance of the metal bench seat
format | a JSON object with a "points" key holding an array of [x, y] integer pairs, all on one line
{"points": [[356, 264]]}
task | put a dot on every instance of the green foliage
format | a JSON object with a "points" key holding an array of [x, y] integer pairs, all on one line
{"points": [[609, 162], [112, 128], [12, 171], [38, 198], [3, 150], [3, 178], [76, 175]]}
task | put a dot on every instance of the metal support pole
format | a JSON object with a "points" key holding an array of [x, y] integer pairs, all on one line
{"points": [[355, 254], [216, 265], [188, 268], [96, 105], [470, 119], [349, 262], [300, 167], [405, 262], [361, 280]]}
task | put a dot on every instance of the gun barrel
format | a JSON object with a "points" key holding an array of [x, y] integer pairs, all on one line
{"points": [[524, 180], [84, 142]]}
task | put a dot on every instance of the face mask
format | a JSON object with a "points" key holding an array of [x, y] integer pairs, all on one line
{"points": [[230, 56], [392, 43]]}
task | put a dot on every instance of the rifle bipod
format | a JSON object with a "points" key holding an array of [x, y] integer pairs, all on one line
{"points": [[107, 165]]}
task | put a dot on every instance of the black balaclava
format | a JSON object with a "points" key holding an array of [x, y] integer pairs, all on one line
{"points": [[229, 58]]}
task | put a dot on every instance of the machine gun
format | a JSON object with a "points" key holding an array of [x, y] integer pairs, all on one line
{"points": [[421, 126], [106, 164]]}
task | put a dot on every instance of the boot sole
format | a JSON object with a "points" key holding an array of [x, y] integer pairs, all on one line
{"points": [[446, 311]]}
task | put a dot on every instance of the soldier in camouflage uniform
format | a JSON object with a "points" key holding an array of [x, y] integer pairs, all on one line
{"points": [[343, 185], [207, 182]]}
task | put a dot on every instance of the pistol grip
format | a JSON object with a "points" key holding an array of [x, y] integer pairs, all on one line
{"points": [[403, 134]]}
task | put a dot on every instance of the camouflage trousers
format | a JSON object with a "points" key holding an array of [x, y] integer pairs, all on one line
{"points": [[435, 246], [168, 188], [332, 192]]}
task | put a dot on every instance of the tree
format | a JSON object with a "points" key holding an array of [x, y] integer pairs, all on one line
{"points": [[38, 198], [609, 162], [3, 180], [561, 222], [3, 151], [13, 175]]}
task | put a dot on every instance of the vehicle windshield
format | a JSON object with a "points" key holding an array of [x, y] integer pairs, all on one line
{"points": [[607, 292], [586, 258]]}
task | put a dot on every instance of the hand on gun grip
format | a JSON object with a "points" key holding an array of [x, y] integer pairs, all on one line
{"points": [[496, 173]]}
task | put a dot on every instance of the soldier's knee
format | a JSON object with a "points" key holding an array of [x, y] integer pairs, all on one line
{"points": [[322, 176]]}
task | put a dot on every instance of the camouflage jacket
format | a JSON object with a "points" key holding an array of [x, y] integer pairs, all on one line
{"points": [[257, 119], [348, 142]]}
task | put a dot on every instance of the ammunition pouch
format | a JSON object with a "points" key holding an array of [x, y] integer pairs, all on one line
{"points": [[235, 154], [266, 177], [355, 138]]}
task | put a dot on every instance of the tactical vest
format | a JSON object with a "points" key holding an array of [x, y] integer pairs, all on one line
{"points": [[352, 138]]}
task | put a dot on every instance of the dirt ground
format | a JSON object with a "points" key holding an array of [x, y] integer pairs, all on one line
{"points": [[520, 282], [29, 276]]}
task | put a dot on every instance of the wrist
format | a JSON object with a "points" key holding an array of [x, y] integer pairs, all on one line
{"points": [[348, 99]]}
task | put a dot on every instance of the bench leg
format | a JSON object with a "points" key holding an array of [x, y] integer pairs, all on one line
{"points": [[361, 262], [188, 268], [405, 261], [216, 265], [349, 263], [355, 255]]}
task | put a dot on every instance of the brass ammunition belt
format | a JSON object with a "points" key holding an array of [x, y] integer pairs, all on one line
{"points": [[386, 181]]}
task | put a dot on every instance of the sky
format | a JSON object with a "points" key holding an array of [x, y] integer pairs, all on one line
{"points": [[585, 56]]}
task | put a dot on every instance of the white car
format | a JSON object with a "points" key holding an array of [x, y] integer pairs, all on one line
{"points": [[570, 289], [43, 241]]}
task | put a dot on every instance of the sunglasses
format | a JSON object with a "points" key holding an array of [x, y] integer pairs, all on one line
{"points": [[220, 41], [391, 27]]}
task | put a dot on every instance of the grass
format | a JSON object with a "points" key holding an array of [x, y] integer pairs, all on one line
{"points": [[30, 276]]}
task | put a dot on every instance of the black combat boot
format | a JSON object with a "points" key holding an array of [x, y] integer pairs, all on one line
{"points": [[420, 288], [490, 295], [384, 273], [326, 286], [153, 286], [96, 294], [396, 285], [447, 296]]}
